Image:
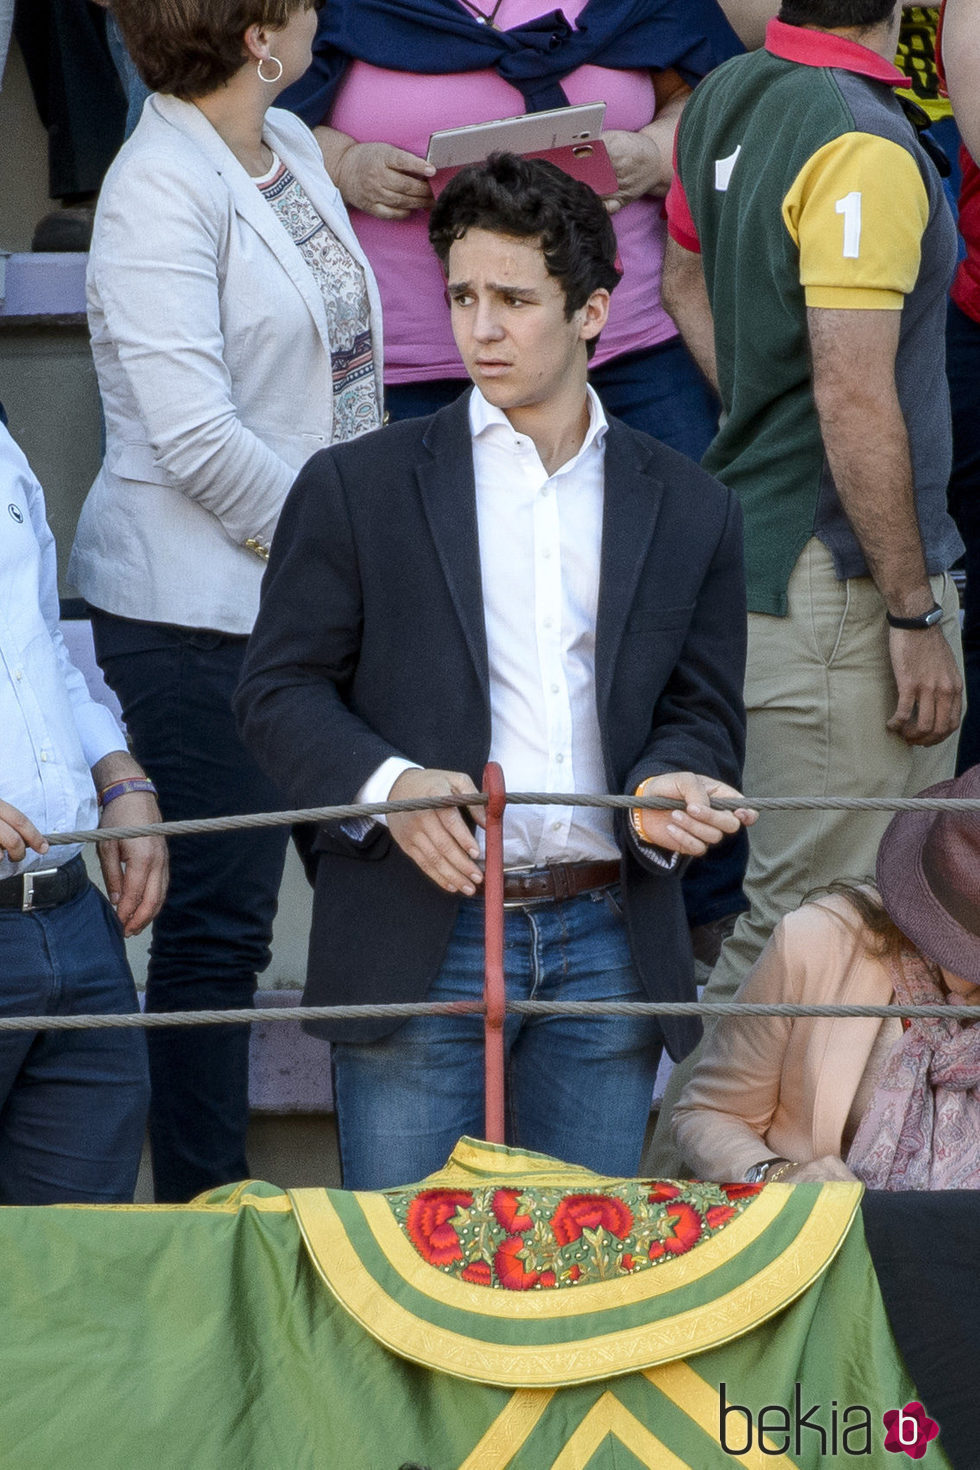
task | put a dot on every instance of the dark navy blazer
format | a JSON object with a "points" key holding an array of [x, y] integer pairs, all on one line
{"points": [[370, 642]]}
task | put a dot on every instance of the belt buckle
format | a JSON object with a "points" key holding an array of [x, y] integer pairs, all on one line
{"points": [[508, 904], [27, 895]]}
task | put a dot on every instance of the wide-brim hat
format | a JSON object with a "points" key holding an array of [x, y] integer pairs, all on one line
{"points": [[929, 878]]}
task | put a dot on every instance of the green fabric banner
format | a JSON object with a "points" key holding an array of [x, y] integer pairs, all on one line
{"points": [[220, 1336]]}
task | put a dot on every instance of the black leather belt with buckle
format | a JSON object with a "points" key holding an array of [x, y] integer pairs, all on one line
{"points": [[44, 888], [557, 881]]}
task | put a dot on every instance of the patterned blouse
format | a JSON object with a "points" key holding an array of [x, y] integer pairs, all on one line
{"points": [[341, 281]]}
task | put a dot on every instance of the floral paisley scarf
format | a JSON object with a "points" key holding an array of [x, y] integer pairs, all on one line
{"points": [[922, 1128]]}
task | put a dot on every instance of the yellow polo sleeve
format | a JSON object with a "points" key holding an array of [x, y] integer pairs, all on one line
{"points": [[857, 211]]}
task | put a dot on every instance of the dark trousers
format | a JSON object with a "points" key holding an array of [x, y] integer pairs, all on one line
{"points": [[211, 938], [660, 391], [76, 90], [963, 366], [72, 1103]]}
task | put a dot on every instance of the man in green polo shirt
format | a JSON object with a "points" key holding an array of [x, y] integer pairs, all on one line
{"points": [[810, 253]]}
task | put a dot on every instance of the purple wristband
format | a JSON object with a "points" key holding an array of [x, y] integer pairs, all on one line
{"points": [[122, 788]]}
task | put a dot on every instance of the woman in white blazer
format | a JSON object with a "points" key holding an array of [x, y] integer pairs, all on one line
{"points": [[236, 330]]}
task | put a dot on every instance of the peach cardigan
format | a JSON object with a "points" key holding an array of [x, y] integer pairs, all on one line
{"points": [[770, 1086]]}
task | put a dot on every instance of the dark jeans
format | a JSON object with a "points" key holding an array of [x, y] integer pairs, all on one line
{"points": [[76, 90], [72, 1103], [212, 935], [963, 367], [662, 392]]}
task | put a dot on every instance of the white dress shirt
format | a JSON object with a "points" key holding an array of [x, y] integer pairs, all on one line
{"points": [[540, 541], [53, 731]]}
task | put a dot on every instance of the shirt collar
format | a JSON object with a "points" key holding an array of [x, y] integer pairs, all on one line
{"points": [[484, 416], [822, 48]]}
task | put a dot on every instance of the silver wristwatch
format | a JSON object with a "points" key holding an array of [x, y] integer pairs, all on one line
{"points": [[756, 1173]]}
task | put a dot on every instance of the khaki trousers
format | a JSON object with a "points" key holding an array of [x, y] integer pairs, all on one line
{"points": [[819, 691]]}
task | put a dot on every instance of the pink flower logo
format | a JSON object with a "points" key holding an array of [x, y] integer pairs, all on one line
{"points": [[909, 1430]]}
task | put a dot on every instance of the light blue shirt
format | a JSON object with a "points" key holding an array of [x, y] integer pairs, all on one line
{"points": [[51, 729]]}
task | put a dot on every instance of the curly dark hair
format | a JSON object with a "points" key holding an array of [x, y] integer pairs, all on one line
{"points": [[830, 14], [188, 48], [532, 199]]}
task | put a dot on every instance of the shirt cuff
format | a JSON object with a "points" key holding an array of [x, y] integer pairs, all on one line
{"points": [[377, 787], [98, 731]]}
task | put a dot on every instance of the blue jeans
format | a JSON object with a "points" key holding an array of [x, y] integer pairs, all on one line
{"points": [[72, 1103], [211, 938], [963, 366], [577, 1089]]}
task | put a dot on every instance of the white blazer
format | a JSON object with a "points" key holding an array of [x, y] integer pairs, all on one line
{"points": [[211, 347]]}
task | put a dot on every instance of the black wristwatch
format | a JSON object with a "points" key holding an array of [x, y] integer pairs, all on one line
{"points": [[924, 620]]}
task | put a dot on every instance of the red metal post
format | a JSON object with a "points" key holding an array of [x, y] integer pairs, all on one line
{"points": [[494, 994]]}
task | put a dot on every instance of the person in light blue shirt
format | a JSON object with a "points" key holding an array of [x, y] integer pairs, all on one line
{"points": [[72, 1103]]}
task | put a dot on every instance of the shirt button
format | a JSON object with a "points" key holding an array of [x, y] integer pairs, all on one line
{"points": [[556, 826], [559, 758], [547, 622], [44, 755], [556, 688], [19, 674], [545, 556]]}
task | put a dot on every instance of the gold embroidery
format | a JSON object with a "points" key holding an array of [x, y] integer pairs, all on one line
{"points": [[587, 1359]]}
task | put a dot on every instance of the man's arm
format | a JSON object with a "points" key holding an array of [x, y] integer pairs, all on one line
{"points": [[685, 295], [961, 63], [135, 869], [867, 447], [697, 727]]}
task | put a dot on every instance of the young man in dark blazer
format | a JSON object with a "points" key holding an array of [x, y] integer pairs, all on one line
{"points": [[517, 579]]}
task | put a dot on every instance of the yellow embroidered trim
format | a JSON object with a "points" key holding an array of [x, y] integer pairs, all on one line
{"points": [[610, 1417], [491, 1161], [591, 1358], [510, 1430]]}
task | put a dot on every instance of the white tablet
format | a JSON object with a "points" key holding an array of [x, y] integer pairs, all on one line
{"points": [[532, 132]]}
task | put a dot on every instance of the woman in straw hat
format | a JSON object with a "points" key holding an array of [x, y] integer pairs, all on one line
{"points": [[894, 1103]]}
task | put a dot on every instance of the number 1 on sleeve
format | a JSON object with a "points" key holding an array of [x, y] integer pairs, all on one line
{"points": [[850, 208]]}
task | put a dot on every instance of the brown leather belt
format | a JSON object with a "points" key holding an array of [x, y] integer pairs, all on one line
{"points": [[557, 881]]}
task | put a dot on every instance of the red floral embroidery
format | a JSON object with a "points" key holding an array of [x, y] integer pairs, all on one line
{"points": [[504, 1206], [428, 1225], [663, 1191], [574, 1272], [510, 1269], [587, 1212], [686, 1228], [719, 1215], [627, 1262], [478, 1272], [741, 1191]]}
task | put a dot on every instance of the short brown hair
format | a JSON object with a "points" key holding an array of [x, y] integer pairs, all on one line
{"points": [[189, 48]]}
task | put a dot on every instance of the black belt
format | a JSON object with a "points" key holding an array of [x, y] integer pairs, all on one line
{"points": [[44, 888], [557, 881]]}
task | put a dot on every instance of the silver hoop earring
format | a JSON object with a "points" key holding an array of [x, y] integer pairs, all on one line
{"points": [[270, 80]]}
